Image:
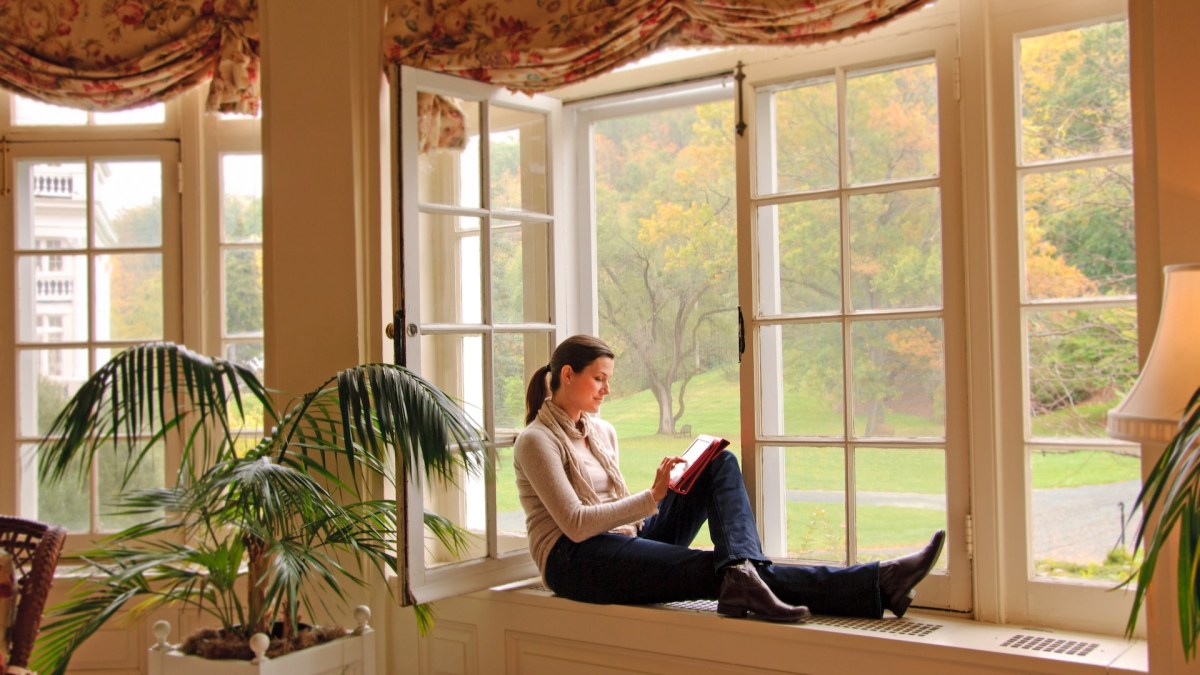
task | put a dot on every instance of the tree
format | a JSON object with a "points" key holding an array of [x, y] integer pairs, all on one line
{"points": [[666, 236]]}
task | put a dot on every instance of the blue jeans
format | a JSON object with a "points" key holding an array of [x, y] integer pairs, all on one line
{"points": [[657, 565]]}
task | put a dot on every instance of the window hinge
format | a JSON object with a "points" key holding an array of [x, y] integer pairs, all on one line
{"points": [[969, 537], [957, 78], [741, 334], [5, 186]]}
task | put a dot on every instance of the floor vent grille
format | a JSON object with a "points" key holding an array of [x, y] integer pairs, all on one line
{"points": [[894, 626], [1047, 644]]}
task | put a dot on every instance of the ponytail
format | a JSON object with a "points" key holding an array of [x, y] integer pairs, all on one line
{"points": [[577, 351], [536, 393]]}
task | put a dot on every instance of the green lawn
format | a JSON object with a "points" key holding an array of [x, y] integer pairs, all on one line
{"points": [[815, 528]]}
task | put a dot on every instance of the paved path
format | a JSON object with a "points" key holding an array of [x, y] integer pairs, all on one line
{"points": [[1073, 524]]}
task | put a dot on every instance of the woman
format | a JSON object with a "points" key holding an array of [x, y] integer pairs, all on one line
{"points": [[593, 541]]}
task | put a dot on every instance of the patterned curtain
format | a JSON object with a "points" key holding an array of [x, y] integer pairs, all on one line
{"points": [[534, 46], [120, 54]]}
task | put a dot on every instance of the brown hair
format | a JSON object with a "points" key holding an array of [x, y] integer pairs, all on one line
{"points": [[577, 351]]}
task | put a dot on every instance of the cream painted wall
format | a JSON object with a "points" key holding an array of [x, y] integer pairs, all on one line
{"points": [[321, 201], [1166, 95]]}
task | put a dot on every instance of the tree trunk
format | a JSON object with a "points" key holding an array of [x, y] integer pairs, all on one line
{"points": [[256, 564], [666, 416]]}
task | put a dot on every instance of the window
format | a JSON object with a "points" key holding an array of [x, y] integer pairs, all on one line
{"points": [[938, 306], [1066, 234], [852, 320], [96, 214], [660, 196], [478, 213], [242, 259], [112, 282]]}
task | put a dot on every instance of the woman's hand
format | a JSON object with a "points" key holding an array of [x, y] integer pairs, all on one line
{"points": [[662, 477]]}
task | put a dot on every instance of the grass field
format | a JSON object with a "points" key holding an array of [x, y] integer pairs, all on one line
{"points": [[815, 527]]}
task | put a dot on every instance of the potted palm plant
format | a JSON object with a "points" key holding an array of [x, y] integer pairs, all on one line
{"points": [[1170, 500], [252, 519]]}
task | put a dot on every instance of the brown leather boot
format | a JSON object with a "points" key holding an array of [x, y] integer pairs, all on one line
{"points": [[899, 576], [744, 593]]}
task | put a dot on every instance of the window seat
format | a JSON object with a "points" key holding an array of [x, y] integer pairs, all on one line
{"points": [[551, 632]]}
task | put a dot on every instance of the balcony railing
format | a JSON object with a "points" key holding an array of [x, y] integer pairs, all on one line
{"points": [[54, 186], [52, 290]]}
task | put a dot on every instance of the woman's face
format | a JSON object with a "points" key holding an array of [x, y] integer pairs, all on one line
{"points": [[584, 391]]}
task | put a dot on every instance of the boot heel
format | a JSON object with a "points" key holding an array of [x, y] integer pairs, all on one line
{"points": [[732, 611]]}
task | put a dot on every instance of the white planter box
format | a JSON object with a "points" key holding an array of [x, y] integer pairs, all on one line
{"points": [[351, 655]]}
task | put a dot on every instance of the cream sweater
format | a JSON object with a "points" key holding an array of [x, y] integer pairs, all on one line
{"points": [[552, 508]]}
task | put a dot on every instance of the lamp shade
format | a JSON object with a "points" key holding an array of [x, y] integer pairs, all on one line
{"points": [[1153, 407]]}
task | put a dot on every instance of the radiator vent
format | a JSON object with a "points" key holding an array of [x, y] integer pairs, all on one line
{"points": [[894, 626], [1047, 644]]}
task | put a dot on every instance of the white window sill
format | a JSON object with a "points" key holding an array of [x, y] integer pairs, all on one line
{"points": [[922, 640]]}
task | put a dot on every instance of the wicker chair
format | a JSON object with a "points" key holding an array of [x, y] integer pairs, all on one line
{"points": [[35, 548]]}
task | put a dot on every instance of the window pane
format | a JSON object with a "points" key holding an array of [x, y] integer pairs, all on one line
{"points": [[510, 517], [450, 288], [155, 113], [667, 284], [128, 204], [806, 143], [28, 112], [67, 502], [1081, 363], [1079, 232], [56, 192], [129, 297], [242, 273], [896, 250], [1083, 502], [520, 272], [514, 358], [248, 354], [802, 389], [241, 198], [112, 464], [816, 503], [892, 124], [455, 364], [46, 380], [448, 174], [900, 498], [899, 378], [517, 157], [52, 298], [1075, 92], [808, 277]]}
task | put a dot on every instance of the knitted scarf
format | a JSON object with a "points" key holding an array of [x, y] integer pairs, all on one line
{"points": [[565, 431]]}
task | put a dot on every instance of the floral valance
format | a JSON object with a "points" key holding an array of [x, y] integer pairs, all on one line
{"points": [[534, 46], [119, 54]]}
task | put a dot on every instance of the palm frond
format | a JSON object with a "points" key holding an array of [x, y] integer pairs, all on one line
{"points": [[297, 509], [1170, 501], [130, 397]]}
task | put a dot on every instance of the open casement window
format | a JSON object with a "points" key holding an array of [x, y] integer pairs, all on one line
{"points": [[851, 288], [477, 234], [92, 232], [1067, 319]]}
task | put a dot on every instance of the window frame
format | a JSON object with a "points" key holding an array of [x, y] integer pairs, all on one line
{"points": [[995, 491], [416, 581], [1025, 598], [170, 250], [192, 188]]}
